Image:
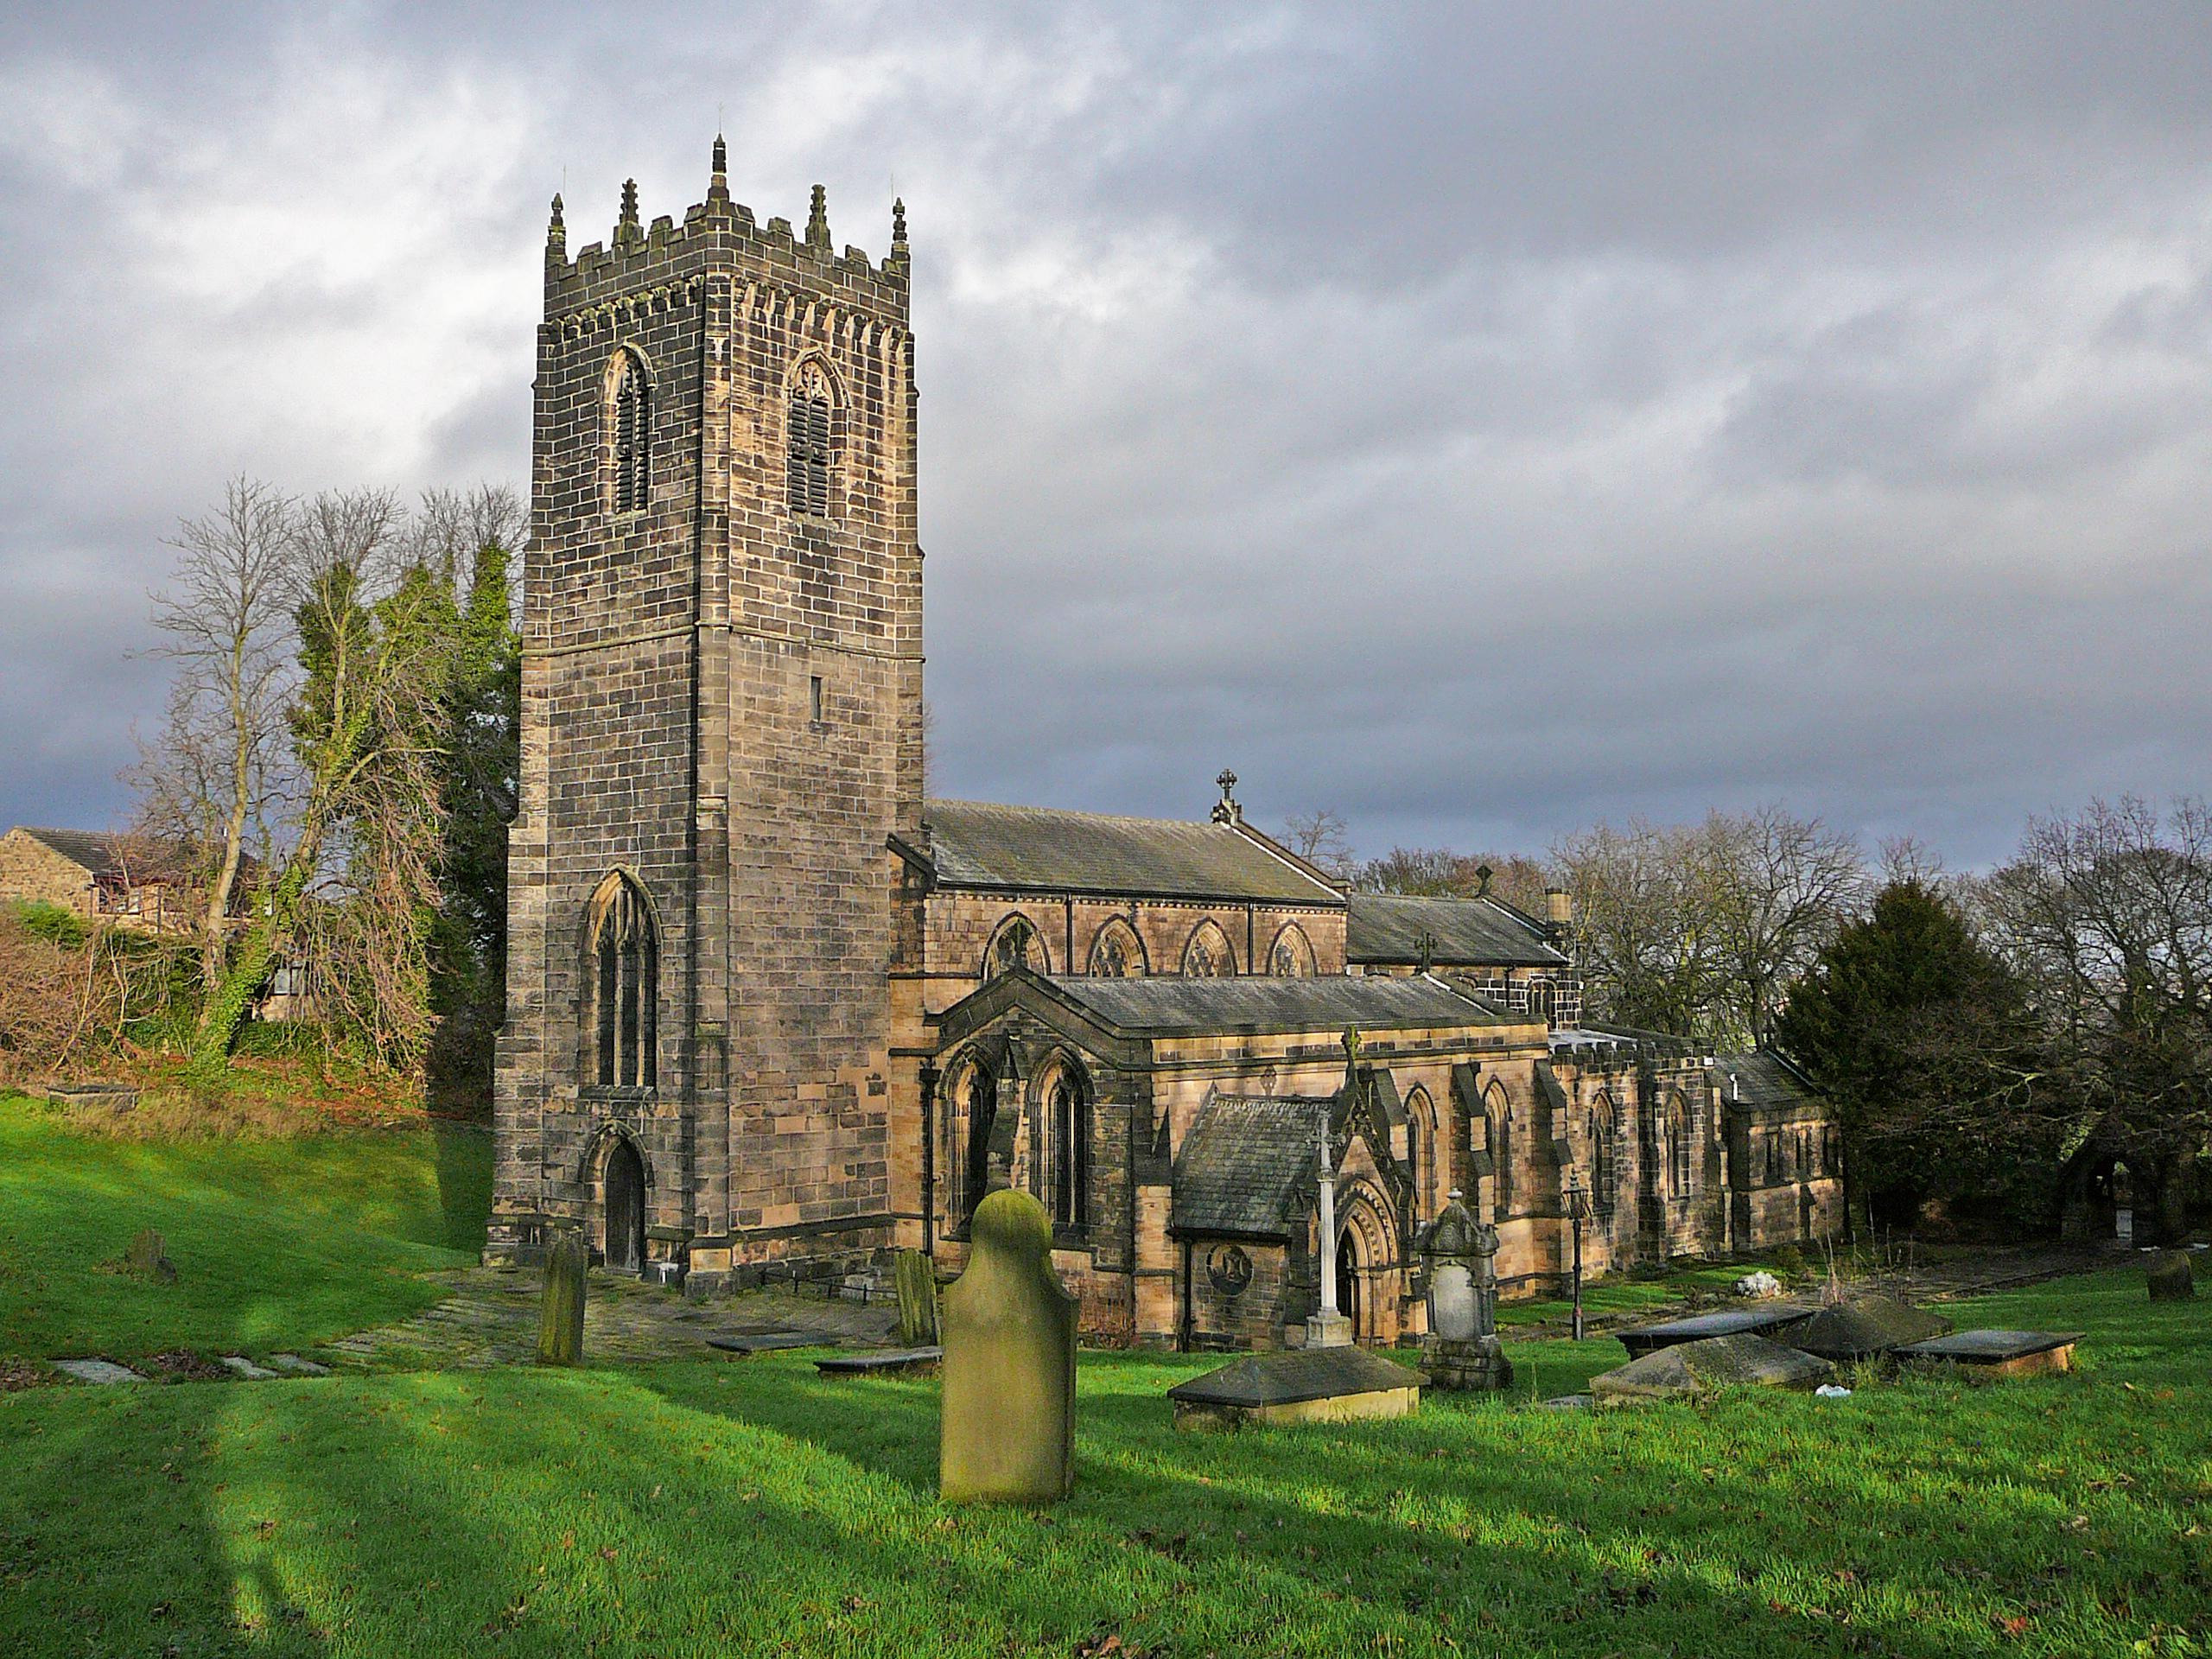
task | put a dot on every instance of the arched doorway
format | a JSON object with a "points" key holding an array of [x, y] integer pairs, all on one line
{"points": [[1348, 1297], [625, 1250]]}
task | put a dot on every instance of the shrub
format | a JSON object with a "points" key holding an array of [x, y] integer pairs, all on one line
{"points": [[55, 923], [1788, 1261]]}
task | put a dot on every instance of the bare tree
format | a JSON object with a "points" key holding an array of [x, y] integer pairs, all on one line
{"points": [[1319, 838], [227, 619], [2109, 916], [1647, 951], [1773, 888]]}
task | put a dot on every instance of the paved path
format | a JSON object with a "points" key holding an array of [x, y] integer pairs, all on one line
{"points": [[490, 1318]]}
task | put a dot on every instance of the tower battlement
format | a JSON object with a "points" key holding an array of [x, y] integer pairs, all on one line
{"points": [[722, 234]]}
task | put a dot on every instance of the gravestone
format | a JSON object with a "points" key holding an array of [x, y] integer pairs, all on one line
{"points": [[2171, 1279], [147, 1257], [561, 1317], [916, 1276], [1008, 1434], [1996, 1353], [1865, 1326], [1461, 1349]]}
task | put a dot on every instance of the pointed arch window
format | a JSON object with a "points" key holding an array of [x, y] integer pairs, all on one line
{"points": [[630, 421], [1208, 955], [807, 434], [1420, 1149], [623, 961], [1292, 958], [1602, 1171], [1117, 953], [1500, 1113], [1015, 942], [1682, 1145], [1068, 1122]]}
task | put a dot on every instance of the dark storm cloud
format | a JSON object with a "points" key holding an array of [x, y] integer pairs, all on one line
{"points": [[1482, 420]]}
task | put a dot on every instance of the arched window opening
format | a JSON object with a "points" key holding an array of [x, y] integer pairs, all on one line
{"points": [[1208, 955], [1016, 943], [1602, 1171], [1068, 1115], [1500, 1113], [979, 1095], [1421, 1150], [625, 960], [807, 435], [1117, 953], [1543, 1001], [1682, 1146], [632, 433], [1292, 956]]}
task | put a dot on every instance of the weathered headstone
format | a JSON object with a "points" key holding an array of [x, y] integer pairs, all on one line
{"points": [[561, 1317], [2171, 1277], [1008, 1434], [1865, 1326], [1461, 1350], [147, 1257], [916, 1276]]}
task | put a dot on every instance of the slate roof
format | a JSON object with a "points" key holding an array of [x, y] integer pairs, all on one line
{"points": [[100, 853], [1241, 1163], [1762, 1078], [978, 844], [1326, 1002], [1469, 933]]}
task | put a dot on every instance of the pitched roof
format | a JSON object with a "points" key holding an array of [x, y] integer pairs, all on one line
{"points": [[1241, 1163], [108, 856], [1327, 1002], [1763, 1078], [978, 845], [1469, 933]]}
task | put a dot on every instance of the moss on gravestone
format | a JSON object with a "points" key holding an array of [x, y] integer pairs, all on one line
{"points": [[561, 1317], [1008, 1435]]}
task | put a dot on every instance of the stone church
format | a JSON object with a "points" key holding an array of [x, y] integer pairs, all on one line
{"points": [[771, 1012]]}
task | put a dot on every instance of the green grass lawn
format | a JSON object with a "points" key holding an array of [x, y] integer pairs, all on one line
{"points": [[751, 1507], [739, 1507], [277, 1242]]}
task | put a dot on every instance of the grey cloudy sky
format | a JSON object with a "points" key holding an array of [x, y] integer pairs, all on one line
{"points": [[1483, 420]]}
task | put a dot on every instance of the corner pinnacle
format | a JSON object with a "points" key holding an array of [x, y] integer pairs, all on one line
{"points": [[626, 227], [556, 233], [817, 221], [898, 222], [718, 185]]}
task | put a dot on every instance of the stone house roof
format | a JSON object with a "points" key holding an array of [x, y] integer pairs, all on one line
{"points": [[1384, 927], [1242, 1167], [979, 844], [110, 858]]}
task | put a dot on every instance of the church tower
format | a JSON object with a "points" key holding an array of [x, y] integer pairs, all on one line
{"points": [[721, 732]]}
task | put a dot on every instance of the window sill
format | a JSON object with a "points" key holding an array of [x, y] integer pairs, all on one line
{"points": [[615, 1094]]}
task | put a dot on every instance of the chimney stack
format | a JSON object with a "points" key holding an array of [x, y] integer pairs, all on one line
{"points": [[1559, 908]]}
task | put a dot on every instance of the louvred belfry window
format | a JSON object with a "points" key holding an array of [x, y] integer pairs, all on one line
{"points": [[808, 437], [632, 436]]}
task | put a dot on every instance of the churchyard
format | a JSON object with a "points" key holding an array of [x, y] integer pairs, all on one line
{"points": [[705, 1503]]}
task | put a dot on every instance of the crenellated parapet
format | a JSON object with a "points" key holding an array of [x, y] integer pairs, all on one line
{"points": [[720, 234]]}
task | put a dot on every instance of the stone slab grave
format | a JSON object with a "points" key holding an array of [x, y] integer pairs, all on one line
{"points": [[240, 1366], [97, 1370], [1689, 1371], [1771, 1319], [884, 1362], [1866, 1325], [916, 1275], [295, 1366], [766, 1342], [1996, 1353], [116, 1098], [1008, 1431], [2171, 1277], [1298, 1385]]}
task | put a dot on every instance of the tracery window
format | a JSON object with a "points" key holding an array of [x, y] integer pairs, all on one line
{"points": [[1015, 942], [1292, 955], [1602, 1171], [1068, 1121], [1208, 955], [807, 438], [1116, 953], [631, 430], [624, 961]]}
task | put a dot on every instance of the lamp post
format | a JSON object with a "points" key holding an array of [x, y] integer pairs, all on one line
{"points": [[1576, 1208]]}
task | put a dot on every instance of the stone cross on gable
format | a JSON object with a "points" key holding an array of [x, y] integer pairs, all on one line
{"points": [[1425, 942], [1227, 811]]}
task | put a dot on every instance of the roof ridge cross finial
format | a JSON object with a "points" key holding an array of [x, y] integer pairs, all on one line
{"points": [[1228, 811]]}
